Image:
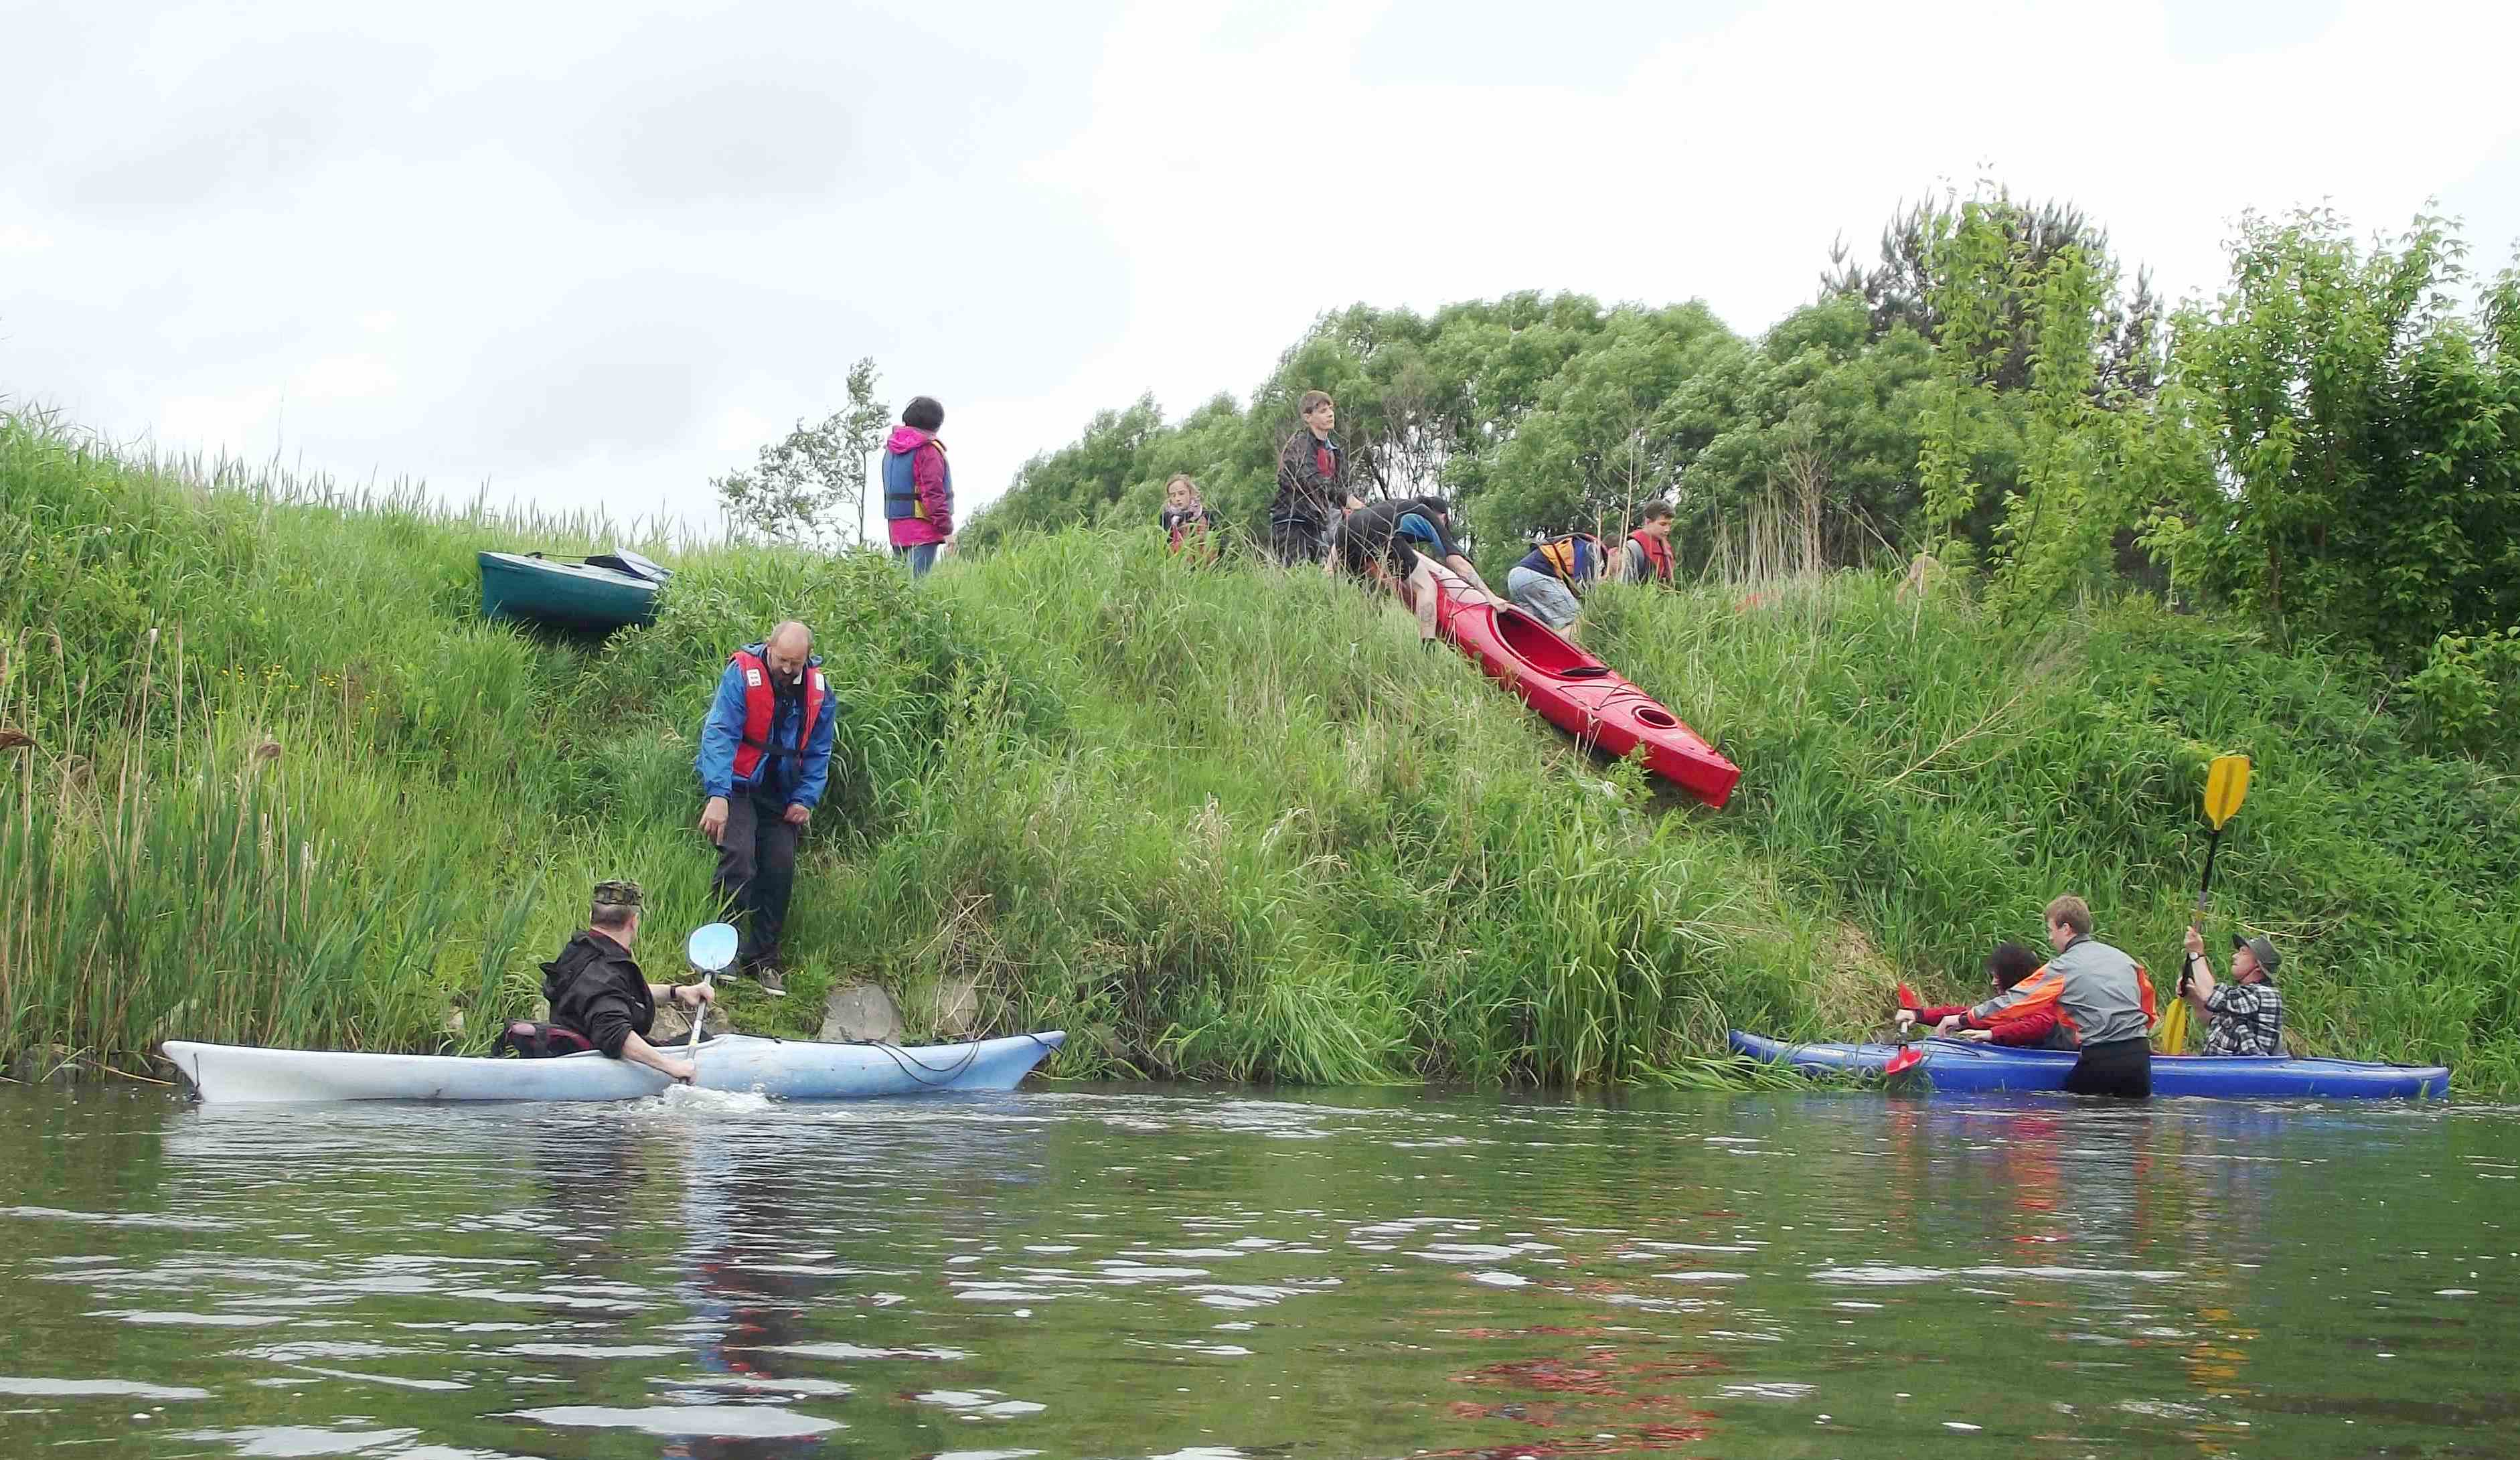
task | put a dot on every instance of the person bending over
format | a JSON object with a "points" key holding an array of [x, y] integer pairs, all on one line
{"points": [[2102, 1000], [2032, 1029], [1551, 581]]}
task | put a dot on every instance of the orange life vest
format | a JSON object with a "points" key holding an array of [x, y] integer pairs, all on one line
{"points": [[761, 702]]}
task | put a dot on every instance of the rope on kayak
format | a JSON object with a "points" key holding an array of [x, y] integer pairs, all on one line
{"points": [[913, 1066], [919, 1069]]}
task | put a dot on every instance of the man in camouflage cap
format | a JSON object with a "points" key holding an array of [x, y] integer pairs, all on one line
{"points": [[596, 989]]}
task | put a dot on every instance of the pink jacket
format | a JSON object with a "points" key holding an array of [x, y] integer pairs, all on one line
{"points": [[935, 520]]}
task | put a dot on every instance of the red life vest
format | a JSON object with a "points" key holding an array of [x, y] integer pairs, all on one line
{"points": [[760, 701], [1657, 553]]}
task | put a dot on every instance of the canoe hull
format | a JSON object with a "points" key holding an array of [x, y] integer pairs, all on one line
{"points": [[563, 595], [1579, 693], [785, 1068], [1965, 1067]]}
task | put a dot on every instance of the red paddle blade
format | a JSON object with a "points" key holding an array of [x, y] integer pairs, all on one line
{"points": [[1909, 1057], [1908, 998]]}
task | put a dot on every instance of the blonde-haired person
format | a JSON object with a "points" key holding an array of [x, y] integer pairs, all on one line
{"points": [[1187, 522]]}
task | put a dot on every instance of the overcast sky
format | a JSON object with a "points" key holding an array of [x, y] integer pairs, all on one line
{"points": [[594, 253]]}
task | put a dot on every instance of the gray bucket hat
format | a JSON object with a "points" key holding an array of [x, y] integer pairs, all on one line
{"points": [[2268, 960]]}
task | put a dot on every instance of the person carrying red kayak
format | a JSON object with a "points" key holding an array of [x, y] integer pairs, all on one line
{"points": [[918, 487], [1645, 556], [2009, 964], [2102, 1000], [1551, 581]]}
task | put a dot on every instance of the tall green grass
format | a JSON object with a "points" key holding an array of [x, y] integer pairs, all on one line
{"points": [[1219, 823]]}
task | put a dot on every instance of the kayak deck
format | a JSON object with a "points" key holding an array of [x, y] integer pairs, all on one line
{"points": [[1579, 693], [785, 1069], [1966, 1066]]}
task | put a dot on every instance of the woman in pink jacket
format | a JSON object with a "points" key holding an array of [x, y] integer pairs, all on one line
{"points": [[917, 486]]}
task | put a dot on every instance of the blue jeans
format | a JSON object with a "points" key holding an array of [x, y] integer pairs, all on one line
{"points": [[921, 558]]}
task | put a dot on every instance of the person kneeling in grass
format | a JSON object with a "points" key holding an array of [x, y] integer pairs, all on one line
{"points": [[596, 989], [2032, 1029], [1551, 579], [2244, 1016], [2102, 1000]]}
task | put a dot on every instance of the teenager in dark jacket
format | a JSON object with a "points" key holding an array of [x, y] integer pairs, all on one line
{"points": [[596, 989], [1311, 485]]}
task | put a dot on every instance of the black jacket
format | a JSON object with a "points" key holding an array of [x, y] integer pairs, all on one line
{"points": [[595, 987], [1312, 480], [1372, 532]]}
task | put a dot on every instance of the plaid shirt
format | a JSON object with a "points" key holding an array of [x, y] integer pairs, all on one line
{"points": [[2248, 1019]]}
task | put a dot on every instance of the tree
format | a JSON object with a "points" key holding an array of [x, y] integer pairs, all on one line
{"points": [[810, 487], [2362, 429]]}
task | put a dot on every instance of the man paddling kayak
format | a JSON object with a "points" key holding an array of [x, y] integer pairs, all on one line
{"points": [[596, 990], [2244, 1016], [2102, 999]]}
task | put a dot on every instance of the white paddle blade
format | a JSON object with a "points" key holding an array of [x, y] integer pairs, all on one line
{"points": [[712, 947]]}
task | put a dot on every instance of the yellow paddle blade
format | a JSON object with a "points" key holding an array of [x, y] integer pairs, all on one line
{"points": [[2226, 785], [2170, 1037]]}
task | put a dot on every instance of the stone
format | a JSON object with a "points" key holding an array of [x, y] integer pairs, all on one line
{"points": [[674, 1025], [958, 1006], [860, 1012]]}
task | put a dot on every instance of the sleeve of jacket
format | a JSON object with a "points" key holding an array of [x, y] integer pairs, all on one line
{"points": [[609, 1024], [928, 475], [720, 731], [2034, 993], [818, 753], [2025, 1029]]}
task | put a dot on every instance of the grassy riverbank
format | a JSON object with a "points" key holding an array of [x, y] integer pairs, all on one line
{"points": [[282, 784]]}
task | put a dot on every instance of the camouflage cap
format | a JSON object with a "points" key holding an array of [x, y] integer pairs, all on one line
{"points": [[620, 892]]}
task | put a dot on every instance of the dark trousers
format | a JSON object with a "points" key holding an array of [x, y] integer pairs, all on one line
{"points": [[2120, 1067], [1295, 542], [757, 871]]}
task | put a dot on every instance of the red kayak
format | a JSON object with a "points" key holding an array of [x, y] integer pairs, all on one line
{"points": [[1577, 692]]}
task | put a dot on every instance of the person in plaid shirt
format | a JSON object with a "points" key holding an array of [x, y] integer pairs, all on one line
{"points": [[2244, 1016]]}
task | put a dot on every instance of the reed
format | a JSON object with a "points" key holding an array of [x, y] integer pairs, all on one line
{"points": [[271, 778]]}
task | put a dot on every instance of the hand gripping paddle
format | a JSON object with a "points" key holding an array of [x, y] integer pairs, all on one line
{"points": [[2226, 785], [711, 948]]}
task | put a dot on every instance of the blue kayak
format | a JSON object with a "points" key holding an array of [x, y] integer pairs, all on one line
{"points": [[1965, 1066]]}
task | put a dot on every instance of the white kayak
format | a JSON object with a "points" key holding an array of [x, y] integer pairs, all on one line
{"points": [[783, 1069]]}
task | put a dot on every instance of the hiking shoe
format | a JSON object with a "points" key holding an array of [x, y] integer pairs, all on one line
{"points": [[773, 982]]}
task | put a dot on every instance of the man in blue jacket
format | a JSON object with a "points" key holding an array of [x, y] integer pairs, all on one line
{"points": [[765, 756]]}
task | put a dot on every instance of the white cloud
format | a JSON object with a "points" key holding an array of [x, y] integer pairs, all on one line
{"points": [[594, 255]]}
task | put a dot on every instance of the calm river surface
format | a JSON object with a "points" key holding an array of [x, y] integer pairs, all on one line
{"points": [[1200, 1274]]}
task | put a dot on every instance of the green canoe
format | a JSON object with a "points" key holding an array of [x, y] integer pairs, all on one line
{"points": [[596, 596]]}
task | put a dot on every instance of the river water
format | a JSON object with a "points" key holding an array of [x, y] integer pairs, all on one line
{"points": [[1200, 1275]]}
